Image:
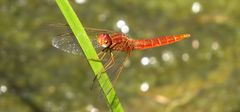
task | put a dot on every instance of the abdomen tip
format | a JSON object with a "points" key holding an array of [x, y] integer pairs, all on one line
{"points": [[187, 35]]}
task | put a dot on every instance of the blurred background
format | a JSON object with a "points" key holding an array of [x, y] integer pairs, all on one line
{"points": [[198, 74]]}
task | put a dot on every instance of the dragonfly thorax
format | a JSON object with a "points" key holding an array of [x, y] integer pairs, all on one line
{"points": [[104, 40]]}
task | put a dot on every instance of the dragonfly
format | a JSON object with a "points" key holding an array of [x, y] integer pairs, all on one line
{"points": [[113, 47]]}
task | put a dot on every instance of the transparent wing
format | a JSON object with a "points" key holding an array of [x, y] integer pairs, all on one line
{"points": [[113, 62], [120, 60], [67, 41]]}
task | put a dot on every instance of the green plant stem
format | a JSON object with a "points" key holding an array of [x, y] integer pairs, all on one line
{"points": [[90, 53]]}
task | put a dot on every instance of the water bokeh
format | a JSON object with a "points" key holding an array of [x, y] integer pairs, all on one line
{"points": [[198, 74]]}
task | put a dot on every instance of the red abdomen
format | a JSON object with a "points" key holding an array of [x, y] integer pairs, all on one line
{"points": [[159, 41]]}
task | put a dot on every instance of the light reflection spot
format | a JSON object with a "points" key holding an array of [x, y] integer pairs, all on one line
{"points": [[196, 7], [145, 61], [91, 108], [80, 1], [215, 45], [162, 99], [144, 87], [195, 44], [153, 60], [3, 88], [94, 110], [185, 57], [125, 29], [167, 56], [121, 23]]}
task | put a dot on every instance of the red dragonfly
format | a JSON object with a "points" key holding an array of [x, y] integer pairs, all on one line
{"points": [[113, 47]]}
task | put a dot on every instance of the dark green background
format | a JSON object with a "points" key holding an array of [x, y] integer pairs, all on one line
{"points": [[41, 78]]}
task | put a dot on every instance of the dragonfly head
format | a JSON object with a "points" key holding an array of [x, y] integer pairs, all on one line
{"points": [[104, 40]]}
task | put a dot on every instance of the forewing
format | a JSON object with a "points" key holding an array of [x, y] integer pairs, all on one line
{"points": [[67, 41]]}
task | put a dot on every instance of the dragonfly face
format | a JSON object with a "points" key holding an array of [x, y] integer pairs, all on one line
{"points": [[104, 40]]}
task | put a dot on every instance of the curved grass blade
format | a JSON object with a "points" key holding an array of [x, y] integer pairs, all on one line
{"points": [[90, 53]]}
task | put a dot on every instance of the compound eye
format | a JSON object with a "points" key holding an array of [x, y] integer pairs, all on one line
{"points": [[106, 42]]}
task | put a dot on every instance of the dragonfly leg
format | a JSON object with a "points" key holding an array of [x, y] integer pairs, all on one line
{"points": [[101, 55], [110, 63], [119, 71]]}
